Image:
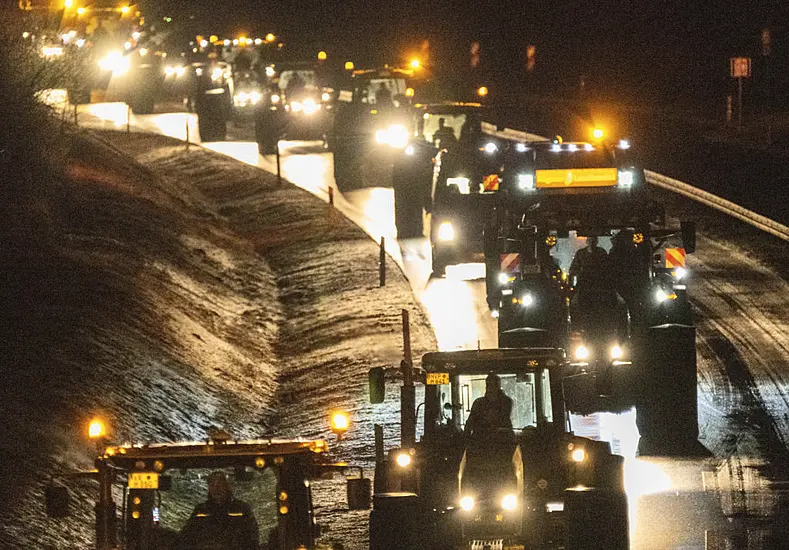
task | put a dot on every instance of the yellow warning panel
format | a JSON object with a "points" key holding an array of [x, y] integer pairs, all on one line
{"points": [[578, 177], [675, 257]]}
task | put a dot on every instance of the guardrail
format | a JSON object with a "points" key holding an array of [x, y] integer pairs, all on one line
{"points": [[670, 184], [722, 205]]}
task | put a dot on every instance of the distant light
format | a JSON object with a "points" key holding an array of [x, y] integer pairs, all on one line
{"points": [[258, 41], [349, 66], [482, 91], [235, 41], [227, 42], [81, 11], [143, 51], [415, 64], [136, 35], [598, 133], [409, 92], [467, 503], [340, 422], [572, 147], [322, 56], [68, 4], [25, 34], [270, 71], [125, 9], [556, 147], [127, 45], [588, 147], [325, 96], [80, 42], [409, 150], [624, 144], [204, 43], [521, 147], [213, 38], [270, 37]]}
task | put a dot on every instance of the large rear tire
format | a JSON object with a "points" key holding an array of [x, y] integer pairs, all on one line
{"points": [[666, 400], [408, 212], [597, 519], [212, 117], [394, 522], [347, 169]]}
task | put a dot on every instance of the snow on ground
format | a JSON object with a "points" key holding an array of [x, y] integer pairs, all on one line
{"points": [[181, 293]]}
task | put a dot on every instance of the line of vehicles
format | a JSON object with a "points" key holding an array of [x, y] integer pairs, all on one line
{"points": [[585, 274]]}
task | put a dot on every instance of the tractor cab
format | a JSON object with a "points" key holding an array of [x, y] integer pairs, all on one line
{"points": [[217, 494], [497, 460]]}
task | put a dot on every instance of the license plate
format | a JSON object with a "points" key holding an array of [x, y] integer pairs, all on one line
{"points": [[437, 378], [143, 480]]}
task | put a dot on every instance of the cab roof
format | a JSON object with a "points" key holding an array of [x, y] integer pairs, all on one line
{"points": [[486, 360], [388, 72], [451, 107], [214, 454]]}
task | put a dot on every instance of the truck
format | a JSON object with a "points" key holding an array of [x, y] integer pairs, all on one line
{"points": [[534, 484], [629, 329]]}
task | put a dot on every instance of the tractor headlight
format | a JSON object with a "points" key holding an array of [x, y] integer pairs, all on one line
{"points": [[578, 455], [625, 178], [527, 299], [403, 459], [467, 503], [503, 278], [115, 62], [525, 182], [446, 232], [490, 148], [310, 106], [680, 273], [394, 136], [274, 98], [509, 502], [617, 352], [581, 352]]}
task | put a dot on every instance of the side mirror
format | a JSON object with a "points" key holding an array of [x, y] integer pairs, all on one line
{"points": [[57, 500], [360, 493], [377, 385], [688, 231]]}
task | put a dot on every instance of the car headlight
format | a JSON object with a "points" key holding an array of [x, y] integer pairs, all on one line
{"points": [[403, 459], [581, 352], [446, 232], [625, 178], [617, 352], [115, 62], [525, 182], [467, 503], [509, 502]]}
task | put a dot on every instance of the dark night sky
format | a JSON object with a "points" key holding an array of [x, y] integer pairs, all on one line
{"points": [[637, 46]]}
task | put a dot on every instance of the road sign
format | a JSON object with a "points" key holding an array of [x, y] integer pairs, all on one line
{"points": [[740, 67]]}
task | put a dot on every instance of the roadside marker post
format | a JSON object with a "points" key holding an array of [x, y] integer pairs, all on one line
{"points": [[382, 263], [187, 130], [279, 165], [76, 120], [128, 119]]}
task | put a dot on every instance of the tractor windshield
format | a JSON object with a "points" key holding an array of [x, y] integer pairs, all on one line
{"points": [[206, 509], [529, 391]]}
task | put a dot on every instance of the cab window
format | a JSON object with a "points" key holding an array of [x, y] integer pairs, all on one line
{"points": [[520, 387], [453, 122]]}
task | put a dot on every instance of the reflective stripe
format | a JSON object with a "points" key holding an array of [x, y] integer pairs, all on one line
{"points": [[236, 514], [201, 515], [491, 182], [675, 257]]}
